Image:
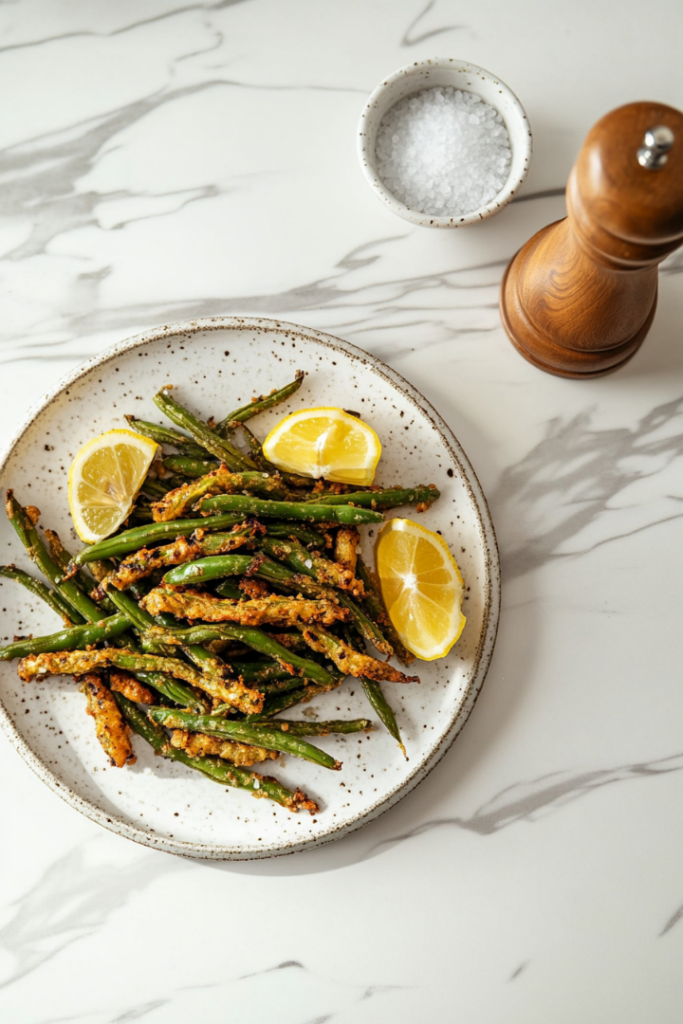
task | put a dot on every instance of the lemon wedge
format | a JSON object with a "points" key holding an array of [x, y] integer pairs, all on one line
{"points": [[421, 586], [325, 442], [104, 480]]}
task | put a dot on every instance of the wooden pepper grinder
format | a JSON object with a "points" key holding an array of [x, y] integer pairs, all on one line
{"points": [[578, 299]]}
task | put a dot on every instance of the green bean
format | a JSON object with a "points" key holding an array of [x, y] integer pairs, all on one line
{"points": [[177, 502], [166, 435], [387, 498], [220, 771], [317, 728], [261, 673], [245, 412], [275, 703], [283, 685], [189, 467], [201, 434], [303, 534], [270, 739], [140, 536], [51, 597], [158, 489], [252, 637], [301, 511], [211, 568], [30, 538], [176, 691], [380, 705], [67, 639], [86, 581]]}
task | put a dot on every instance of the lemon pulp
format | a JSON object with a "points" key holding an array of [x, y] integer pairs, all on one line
{"points": [[104, 480], [325, 442], [421, 586]]}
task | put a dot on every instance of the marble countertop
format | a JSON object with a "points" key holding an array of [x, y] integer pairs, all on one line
{"points": [[165, 160]]}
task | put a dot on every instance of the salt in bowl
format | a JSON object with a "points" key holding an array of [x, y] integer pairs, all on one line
{"points": [[445, 71]]}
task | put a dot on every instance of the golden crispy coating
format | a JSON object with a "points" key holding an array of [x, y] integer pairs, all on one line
{"points": [[253, 588], [62, 663], [326, 571], [277, 611], [142, 563], [345, 544], [352, 662], [112, 732], [79, 663], [218, 481], [196, 744], [130, 687], [300, 802]]}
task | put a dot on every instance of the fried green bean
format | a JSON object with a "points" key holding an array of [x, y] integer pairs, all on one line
{"points": [[270, 739], [262, 672], [349, 660], [229, 691], [185, 466], [220, 771], [84, 608], [323, 570], [168, 436], [202, 435], [140, 536], [177, 502], [211, 568], [67, 639], [275, 703], [246, 412], [380, 705], [391, 497], [339, 726], [51, 597], [87, 581], [307, 536], [299, 511], [174, 690]]}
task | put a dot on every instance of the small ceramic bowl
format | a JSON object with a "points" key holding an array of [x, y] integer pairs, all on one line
{"points": [[445, 71]]}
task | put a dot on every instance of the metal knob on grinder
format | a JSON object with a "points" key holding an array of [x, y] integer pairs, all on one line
{"points": [[579, 298]]}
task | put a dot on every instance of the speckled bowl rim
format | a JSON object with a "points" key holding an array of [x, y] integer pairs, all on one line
{"points": [[491, 587], [367, 140]]}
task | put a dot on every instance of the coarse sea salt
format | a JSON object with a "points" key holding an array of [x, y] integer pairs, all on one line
{"points": [[443, 152]]}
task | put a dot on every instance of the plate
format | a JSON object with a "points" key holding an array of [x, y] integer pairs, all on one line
{"points": [[216, 364]]}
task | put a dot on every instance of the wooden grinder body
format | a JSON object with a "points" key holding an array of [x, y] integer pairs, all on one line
{"points": [[579, 298]]}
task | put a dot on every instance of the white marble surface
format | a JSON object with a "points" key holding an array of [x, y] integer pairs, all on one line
{"points": [[162, 160]]}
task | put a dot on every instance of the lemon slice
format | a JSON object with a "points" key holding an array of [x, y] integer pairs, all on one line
{"points": [[104, 480], [325, 442], [421, 586]]}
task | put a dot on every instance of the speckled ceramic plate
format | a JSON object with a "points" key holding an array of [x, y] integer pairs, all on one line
{"points": [[218, 363]]}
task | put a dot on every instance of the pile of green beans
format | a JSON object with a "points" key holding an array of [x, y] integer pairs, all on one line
{"points": [[225, 681]]}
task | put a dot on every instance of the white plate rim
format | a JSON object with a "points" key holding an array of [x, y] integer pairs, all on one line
{"points": [[491, 587]]}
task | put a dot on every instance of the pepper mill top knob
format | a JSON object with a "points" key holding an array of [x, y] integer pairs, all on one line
{"points": [[624, 210], [657, 143]]}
